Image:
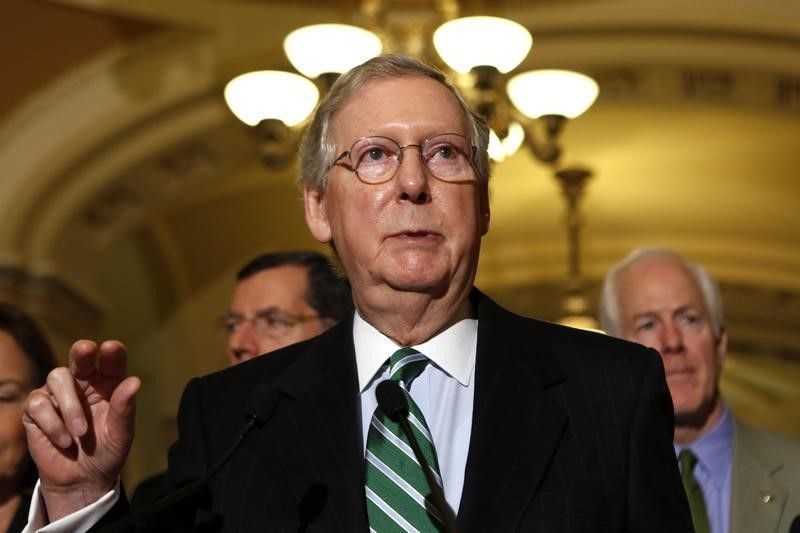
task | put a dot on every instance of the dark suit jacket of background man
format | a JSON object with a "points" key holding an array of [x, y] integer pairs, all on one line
{"points": [[571, 431]]}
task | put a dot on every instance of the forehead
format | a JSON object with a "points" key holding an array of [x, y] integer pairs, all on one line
{"points": [[284, 286], [404, 107], [658, 283], [14, 364]]}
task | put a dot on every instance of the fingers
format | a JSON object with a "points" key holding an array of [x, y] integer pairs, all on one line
{"points": [[82, 357], [41, 412], [122, 411], [64, 397], [60, 407], [113, 360]]}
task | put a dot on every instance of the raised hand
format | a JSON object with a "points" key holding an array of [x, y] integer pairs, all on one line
{"points": [[80, 426]]}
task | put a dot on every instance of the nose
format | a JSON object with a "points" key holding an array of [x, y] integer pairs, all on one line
{"points": [[242, 343], [413, 177], [671, 338]]}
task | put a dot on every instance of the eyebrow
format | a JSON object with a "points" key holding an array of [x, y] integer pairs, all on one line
{"points": [[677, 310], [258, 312], [20, 384], [645, 314]]}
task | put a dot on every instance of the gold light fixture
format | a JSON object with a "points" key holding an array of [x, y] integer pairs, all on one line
{"points": [[482, 51], [575, 303], [324, 50]]}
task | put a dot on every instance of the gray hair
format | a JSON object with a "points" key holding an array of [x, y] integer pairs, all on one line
{"points": [[316, 148], [609, 301]]}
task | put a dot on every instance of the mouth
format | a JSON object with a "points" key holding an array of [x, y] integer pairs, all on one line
{"points": [[414, 234], [679, 373]]}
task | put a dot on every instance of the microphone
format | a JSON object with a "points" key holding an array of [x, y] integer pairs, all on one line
{"points": [[392, 401], [795, 527], [260, 408]]}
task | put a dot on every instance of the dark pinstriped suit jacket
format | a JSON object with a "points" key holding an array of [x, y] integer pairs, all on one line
{"points": [[571, 431]]}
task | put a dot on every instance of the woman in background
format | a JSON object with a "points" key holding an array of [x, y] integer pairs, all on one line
{"points": [[25, 361]]}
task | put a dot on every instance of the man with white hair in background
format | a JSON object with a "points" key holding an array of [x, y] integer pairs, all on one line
{"points": [[738, 479]]}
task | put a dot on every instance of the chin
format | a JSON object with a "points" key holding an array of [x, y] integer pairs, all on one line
{"points": [[691, 413], [422, 284]]}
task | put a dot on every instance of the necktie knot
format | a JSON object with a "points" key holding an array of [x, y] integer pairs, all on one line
{"points": [[688, 461], [405, 365]]}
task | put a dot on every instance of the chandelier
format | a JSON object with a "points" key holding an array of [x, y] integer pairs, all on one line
{"points": [[481, 52]]}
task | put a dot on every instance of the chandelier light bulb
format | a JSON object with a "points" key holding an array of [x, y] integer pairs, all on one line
{"points": [[499, 149], [537, 93], [495, 148], [470, 42], [330, 48], [266, 94]]}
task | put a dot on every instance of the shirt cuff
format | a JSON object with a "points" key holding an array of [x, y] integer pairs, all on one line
{"points": [[78, 522]]}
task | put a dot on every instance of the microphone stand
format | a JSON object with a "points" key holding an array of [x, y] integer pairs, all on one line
{"points": [[260, 409]]}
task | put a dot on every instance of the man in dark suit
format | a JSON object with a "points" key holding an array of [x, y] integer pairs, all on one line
{"points": [[526, 426]]}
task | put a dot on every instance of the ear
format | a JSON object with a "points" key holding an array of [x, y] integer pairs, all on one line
{"points": [[722, 348], [316, 215], [484, 208]]}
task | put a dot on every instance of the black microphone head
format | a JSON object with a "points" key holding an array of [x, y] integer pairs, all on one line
{"points": [[262, 403], [392, 399], [795, 527]]}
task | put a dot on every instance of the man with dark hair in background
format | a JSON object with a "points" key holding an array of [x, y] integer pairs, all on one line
{"points": [[280, 298]]}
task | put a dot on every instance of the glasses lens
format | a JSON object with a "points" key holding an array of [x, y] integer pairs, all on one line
{"points": [[229, 323], [375, 158], [447, 156]]}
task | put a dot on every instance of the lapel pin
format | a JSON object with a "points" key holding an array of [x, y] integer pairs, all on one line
{"points": [[767, 497]]}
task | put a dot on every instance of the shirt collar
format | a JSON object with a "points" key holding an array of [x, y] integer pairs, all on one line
{"points": [[452, 350], [714, 449]]}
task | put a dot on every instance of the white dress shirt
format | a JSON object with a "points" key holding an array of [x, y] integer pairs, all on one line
{"points": [[444, 391]]}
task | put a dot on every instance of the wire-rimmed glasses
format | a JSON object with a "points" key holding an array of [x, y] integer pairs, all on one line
{"points": [[270, 323], [376, 159]]}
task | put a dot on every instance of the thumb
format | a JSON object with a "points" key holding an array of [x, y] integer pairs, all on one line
{"points": [[122, 411]]}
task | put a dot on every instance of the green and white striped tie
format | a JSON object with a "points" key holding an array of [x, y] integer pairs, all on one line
{"points": [[398, 496]]}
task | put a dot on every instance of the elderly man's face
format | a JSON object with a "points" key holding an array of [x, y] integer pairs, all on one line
{"points": [[661, 306], [413, 233]]}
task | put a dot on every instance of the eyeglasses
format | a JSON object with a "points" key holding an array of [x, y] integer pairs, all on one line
{"points": [[272, 323], [375, 160]]}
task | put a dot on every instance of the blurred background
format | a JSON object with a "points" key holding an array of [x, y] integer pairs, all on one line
{"points": [[130, 194]]}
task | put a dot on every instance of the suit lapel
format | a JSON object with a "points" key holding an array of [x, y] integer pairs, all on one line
{"points": [[516, 427], [758, 498], [317, 433]]}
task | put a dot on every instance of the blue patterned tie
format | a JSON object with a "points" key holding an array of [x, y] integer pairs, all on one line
{"points": [[397, 492]]}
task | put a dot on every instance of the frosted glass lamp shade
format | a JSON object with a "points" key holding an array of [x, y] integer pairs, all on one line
{"points": [[499, 148], [266, 94], [469, 42], [330, 48], [552, 92]]}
